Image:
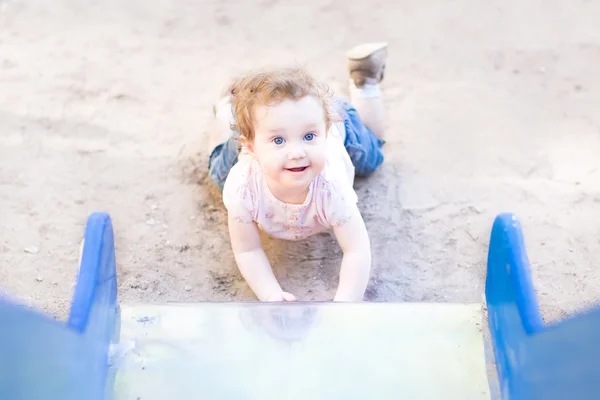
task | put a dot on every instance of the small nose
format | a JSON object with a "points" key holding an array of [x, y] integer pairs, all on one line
{"points": [[296, 153]]}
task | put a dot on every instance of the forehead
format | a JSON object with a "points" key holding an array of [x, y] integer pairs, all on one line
{"points": [[289, 113]]}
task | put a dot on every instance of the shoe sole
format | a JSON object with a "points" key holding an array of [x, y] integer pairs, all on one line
{"points": [[363, 51]]}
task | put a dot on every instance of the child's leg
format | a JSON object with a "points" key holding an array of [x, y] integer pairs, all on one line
{"points": [[220, 130], [223, 146], [366, 65], [364, 120], [362, 145]]}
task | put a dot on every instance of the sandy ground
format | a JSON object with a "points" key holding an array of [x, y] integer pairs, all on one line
{"points": [[493, 107]]}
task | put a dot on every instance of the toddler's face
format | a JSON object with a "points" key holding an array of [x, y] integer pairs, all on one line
{"points": [[290, 141]]}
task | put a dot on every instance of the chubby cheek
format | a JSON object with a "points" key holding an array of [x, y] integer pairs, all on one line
{"points": [[271, 162], [318, 158], [271, 167]]}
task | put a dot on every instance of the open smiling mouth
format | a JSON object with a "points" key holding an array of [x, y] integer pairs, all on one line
{"points": [[297, 169]]}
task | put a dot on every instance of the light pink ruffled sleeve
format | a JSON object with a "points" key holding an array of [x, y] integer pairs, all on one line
{"points": [[337, 202], [239, 195]]}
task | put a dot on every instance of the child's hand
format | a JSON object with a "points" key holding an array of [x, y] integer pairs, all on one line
{"points": [[281, 296]]}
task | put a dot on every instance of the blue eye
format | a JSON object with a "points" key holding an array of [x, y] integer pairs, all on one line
{"points": [[278, 140], [309, 136]]}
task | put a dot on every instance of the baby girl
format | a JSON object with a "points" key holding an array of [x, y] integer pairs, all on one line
{"points": [[286, 157]]}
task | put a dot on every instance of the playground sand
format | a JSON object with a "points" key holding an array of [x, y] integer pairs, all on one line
{"points": [[493, 107]]}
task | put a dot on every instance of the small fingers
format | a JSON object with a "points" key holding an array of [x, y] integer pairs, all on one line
{"points": [[288, 296]]}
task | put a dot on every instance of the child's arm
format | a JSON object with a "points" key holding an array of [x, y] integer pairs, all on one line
{"points": [[253, 263], [356, 262]]}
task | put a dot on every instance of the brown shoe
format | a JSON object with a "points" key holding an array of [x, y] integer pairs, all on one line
{"points": [[366, 63]]}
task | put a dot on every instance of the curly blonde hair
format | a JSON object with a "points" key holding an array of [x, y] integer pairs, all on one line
{"points": [[271, 87]]}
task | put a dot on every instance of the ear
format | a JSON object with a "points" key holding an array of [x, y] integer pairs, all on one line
{"points": [[332, 118], [248, 144]]}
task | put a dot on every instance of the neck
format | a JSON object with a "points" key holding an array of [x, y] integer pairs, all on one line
{"points": [[288, 195]]}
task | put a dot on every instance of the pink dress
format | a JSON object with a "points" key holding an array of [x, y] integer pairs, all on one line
{"points": [[330, 201]]}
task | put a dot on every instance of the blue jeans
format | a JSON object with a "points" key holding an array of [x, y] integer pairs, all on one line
{"points": [[362, 145]]}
